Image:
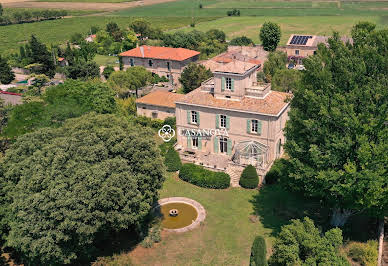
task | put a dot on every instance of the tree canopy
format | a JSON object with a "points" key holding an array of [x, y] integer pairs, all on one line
{"points": [[241, 41], [337, 135], [276, 61], [193, 75], [6, 74], [286, 80], [58, 103], [270, 36], [68, 188], [301, 243], [40, 54], [129, 81]]}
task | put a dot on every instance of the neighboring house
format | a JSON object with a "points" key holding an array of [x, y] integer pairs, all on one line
{"points": [[249, 54], [164, 61], [11, 98], [62, 62], [90, 38], [301, 46], [158, 104], [252, 115]]}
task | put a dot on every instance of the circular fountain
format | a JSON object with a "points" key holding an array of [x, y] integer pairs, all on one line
{"points": [[180, 214]]}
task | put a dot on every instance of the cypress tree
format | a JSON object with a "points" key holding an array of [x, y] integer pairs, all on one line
{"points": [[41, 55], [172, 160], [6, 74]]}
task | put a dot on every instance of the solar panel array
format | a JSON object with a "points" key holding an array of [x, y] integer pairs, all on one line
{"points": [[300, 40]]}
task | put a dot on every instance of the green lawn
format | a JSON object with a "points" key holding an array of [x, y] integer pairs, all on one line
{"points": [[225, 238], [58, 31], [104, 60], [259, 8], [233, 218], [316, 25]]}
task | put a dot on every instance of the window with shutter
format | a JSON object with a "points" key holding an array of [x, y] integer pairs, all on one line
{"points": [[217, 121], [189, 142], [215, 142], [232, 85], [248, 126], [227, 122], [222, 83]]}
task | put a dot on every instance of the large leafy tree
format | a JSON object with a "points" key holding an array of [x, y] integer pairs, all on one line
{"points": [[276, 61], [270, 36], [193, 75], [125, 82], [241, 41], [6, 74], [286, 80], [83, 70], [337, 135], [40, 55], [69, 187], [301, 243]]}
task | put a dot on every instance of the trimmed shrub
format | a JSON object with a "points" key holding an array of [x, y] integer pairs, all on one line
{"points": [[363, 253], [258, 252], [249, 177], [277, 172], [172, 160], [199, 176]]}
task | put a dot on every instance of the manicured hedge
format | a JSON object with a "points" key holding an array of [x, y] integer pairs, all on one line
{"points": [[249, 177], [172, 160], [258, 252], [197, 175]]}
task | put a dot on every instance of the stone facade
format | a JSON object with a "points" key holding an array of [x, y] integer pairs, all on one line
{"points": [[154, 111], [164, 61], [252, 115]]}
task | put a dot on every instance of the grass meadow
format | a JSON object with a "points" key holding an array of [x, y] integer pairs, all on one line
{"points": [[315, 25], [11, 11], [59, 31], [184, 8]]}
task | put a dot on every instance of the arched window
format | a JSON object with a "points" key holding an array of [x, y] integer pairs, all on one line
{"points": [[279, 148]]}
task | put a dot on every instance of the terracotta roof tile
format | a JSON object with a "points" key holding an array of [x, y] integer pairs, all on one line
{"points": [[161, 98], [156, 52], [272, 104]]}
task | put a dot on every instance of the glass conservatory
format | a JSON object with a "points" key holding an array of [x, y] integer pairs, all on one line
{"points": [[251, 152]]}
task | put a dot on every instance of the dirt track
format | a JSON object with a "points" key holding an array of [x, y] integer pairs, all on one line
{"points": [[79, 5]]}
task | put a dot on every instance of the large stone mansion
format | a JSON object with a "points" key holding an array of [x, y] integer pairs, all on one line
{"points": [[246, 120]]}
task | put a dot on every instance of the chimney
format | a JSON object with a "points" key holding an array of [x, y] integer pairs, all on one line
{"points": [[142, 51]]}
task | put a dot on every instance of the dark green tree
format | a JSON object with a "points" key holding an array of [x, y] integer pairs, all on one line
{"points": [[193, 75], [301, 243], [83, 70], [258, 252], [286, 80], [270, 36], [140, 26], [215, 34], [6, 74], [41, 55], [1, 9], [361, 31], [276, 61], [241, 41], [69, 189], [249, 177], [337, 135], [108, 70], [172, 160], [76, 38]]}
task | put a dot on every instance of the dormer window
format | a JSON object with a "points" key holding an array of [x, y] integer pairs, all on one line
{"points": [[228, 83]]}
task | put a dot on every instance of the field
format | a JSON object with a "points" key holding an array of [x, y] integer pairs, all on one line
{"points": [[104, 60], [10, 11], [316, 25], [58, 31], [190, 8]]}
